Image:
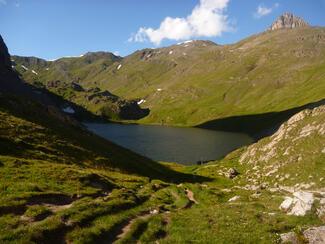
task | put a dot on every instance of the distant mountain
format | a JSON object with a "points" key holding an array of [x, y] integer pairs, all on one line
{"points": [[194, 82], [288, 21], [63, 76]]}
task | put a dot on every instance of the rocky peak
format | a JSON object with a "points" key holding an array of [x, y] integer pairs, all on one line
{"points": [[288, 21]]}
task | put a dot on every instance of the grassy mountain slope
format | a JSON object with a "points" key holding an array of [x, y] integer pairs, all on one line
{"points": [[245, 209], [272, 71], [62, 184], [56, 189], [195, 82], [62, 76]]}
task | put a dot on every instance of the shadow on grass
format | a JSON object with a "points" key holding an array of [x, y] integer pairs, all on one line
{"points": [[86, 145], [257, 125]]}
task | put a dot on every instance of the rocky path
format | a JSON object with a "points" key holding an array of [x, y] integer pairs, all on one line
{"points": [[129, 224]]}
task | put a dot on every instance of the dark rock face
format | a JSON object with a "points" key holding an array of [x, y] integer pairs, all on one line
{"points": [[288, 21], [131, 110], [5, 62], [124, 109], [75, 86]]}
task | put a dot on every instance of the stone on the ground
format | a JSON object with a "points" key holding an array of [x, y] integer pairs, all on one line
{"points": [[315, 235], [299, 205], [289, 237], [286, 204], [233, 198], [232, 173], [303, 202]]}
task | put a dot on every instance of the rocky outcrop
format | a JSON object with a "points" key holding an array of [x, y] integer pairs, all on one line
{"points": [[77, 87], [288, 21], [314, 235], [285, 143], [123, 109], [299, 204]]}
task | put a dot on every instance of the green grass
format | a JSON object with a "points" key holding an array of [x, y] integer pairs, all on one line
{"points": [[55, 188], [268, 72]]}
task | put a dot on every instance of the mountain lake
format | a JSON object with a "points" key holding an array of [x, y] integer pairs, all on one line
{"points": [[171, 144]]}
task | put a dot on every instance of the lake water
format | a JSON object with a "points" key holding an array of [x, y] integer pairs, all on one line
{"points": [[171, 144]]}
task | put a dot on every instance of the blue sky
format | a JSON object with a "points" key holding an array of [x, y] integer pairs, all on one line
{"points": [[56, 28]]}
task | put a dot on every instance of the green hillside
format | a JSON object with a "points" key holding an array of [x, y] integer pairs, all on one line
{"points": [[62, 184], [195, 82]]}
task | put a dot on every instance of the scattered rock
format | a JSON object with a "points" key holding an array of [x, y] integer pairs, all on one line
{"points": [[155, 211], [286, 204], [315, 235], [233, 198], [232, 173], [290, 237]]}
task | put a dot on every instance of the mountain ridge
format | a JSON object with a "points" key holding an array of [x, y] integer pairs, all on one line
{"points": [[201, 80]]}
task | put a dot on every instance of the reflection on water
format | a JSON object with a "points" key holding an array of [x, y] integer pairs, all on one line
{"points": [[172, 144]]}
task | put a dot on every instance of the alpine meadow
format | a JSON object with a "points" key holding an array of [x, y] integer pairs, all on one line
{"points": [[206, 126]]}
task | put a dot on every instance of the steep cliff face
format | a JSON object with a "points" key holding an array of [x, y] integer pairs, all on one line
{"points": [[5, 63], [288, 21]]}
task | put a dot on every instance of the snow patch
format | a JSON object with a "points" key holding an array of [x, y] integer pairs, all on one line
{"points": [[119, 66], [47, 69], [159, 89], [55, 59], [24, 67], [34, 72], [170, 52], [141, 101], [186, 42], [68, 110]]}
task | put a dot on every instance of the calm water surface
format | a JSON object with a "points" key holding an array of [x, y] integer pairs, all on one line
{"points": [[171, 144]]}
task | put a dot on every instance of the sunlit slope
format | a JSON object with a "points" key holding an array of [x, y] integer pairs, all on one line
{"points": [[194, 82], [272, 71]]}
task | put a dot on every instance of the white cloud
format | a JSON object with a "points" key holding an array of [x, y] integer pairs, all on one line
{"points": [[263, 10], [116, 53], [206, 20], [3, 2]]}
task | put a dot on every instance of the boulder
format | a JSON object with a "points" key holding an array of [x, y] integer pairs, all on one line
{"points": [[286, 204], [289, 237], [303, 202], [315, 235], [299, 205], [232, 173]]}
